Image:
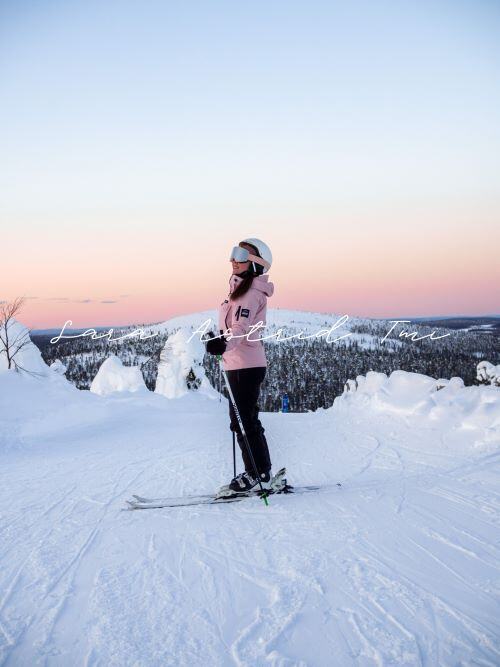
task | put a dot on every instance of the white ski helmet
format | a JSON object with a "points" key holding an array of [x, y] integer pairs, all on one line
{"points": [[264, 252]]}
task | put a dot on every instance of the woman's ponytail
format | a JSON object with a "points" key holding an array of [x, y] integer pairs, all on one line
{"points": [[243, 287]]}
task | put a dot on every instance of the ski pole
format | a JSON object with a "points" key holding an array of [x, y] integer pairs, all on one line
{"points": [[234, 454], [242, 428]]}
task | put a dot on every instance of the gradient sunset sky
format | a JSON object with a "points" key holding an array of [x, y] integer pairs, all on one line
{"points": [[141, 141]]}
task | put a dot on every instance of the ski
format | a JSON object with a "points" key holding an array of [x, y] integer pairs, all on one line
{"points": [[194, 501], [224, 495], [140, 500], [278, 482]]}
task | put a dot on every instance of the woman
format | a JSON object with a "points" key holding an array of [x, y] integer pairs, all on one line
{"points": [[243, 356]]}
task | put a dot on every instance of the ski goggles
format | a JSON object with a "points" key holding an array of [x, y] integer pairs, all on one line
{"points": [[239, 254]]}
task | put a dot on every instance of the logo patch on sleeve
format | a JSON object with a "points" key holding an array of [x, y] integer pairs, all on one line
{"points": [[245, 312]]}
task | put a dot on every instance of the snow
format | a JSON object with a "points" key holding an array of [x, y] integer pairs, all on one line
{"points": [[399, 566], [114, 376]]}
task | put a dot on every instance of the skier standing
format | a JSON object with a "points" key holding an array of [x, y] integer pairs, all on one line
{"points": [[244, 360]]}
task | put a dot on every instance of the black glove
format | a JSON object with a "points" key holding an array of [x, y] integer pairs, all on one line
{"points": [[216, 345]]}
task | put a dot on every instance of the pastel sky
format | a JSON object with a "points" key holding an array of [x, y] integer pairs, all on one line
{"points": [[141, 141]]}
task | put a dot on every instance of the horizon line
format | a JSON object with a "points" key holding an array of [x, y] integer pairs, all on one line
{"points": [[398, 317]]}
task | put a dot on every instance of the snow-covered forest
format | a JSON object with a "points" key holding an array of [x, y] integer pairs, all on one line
{"points": [[313, 372]]}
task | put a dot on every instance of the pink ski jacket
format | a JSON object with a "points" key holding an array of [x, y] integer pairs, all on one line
{"points": [[239, 316]]}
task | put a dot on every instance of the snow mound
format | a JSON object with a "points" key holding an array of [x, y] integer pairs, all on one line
{"points": [[486, 372], [446, 403], [400, 392], [114, 376], [58, 367], [181, 366], [25, 356]]}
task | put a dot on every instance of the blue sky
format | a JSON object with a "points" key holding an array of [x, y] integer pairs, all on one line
{"points": [[144, 86], [368, 123]]}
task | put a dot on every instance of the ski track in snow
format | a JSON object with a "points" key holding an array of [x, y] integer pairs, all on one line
{"points": [[400, 566]]}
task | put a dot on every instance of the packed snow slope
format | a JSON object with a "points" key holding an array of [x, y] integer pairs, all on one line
{"points": [[399, 566]]}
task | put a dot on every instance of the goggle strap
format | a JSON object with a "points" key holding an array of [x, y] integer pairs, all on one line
{"points": [[259, 260]]}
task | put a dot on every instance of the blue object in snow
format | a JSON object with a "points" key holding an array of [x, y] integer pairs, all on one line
{"points": [[285, 403]]}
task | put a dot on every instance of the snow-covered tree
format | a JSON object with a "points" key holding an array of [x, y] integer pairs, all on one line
{"points": [[181, 366], [13, 337], [17, 351], [58, 367], [487, 373]]}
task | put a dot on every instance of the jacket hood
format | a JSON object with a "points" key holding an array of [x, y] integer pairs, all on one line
{"points": [[260, 283]]}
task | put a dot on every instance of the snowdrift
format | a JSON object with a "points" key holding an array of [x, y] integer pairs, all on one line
{"points": [[114, 376], [442, 403]]}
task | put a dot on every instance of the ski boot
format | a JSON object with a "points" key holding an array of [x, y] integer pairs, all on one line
{"points": [[275, 484], [246, 482]]}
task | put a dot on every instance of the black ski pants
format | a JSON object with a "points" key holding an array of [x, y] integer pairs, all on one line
{"points": [[245, 385]]}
